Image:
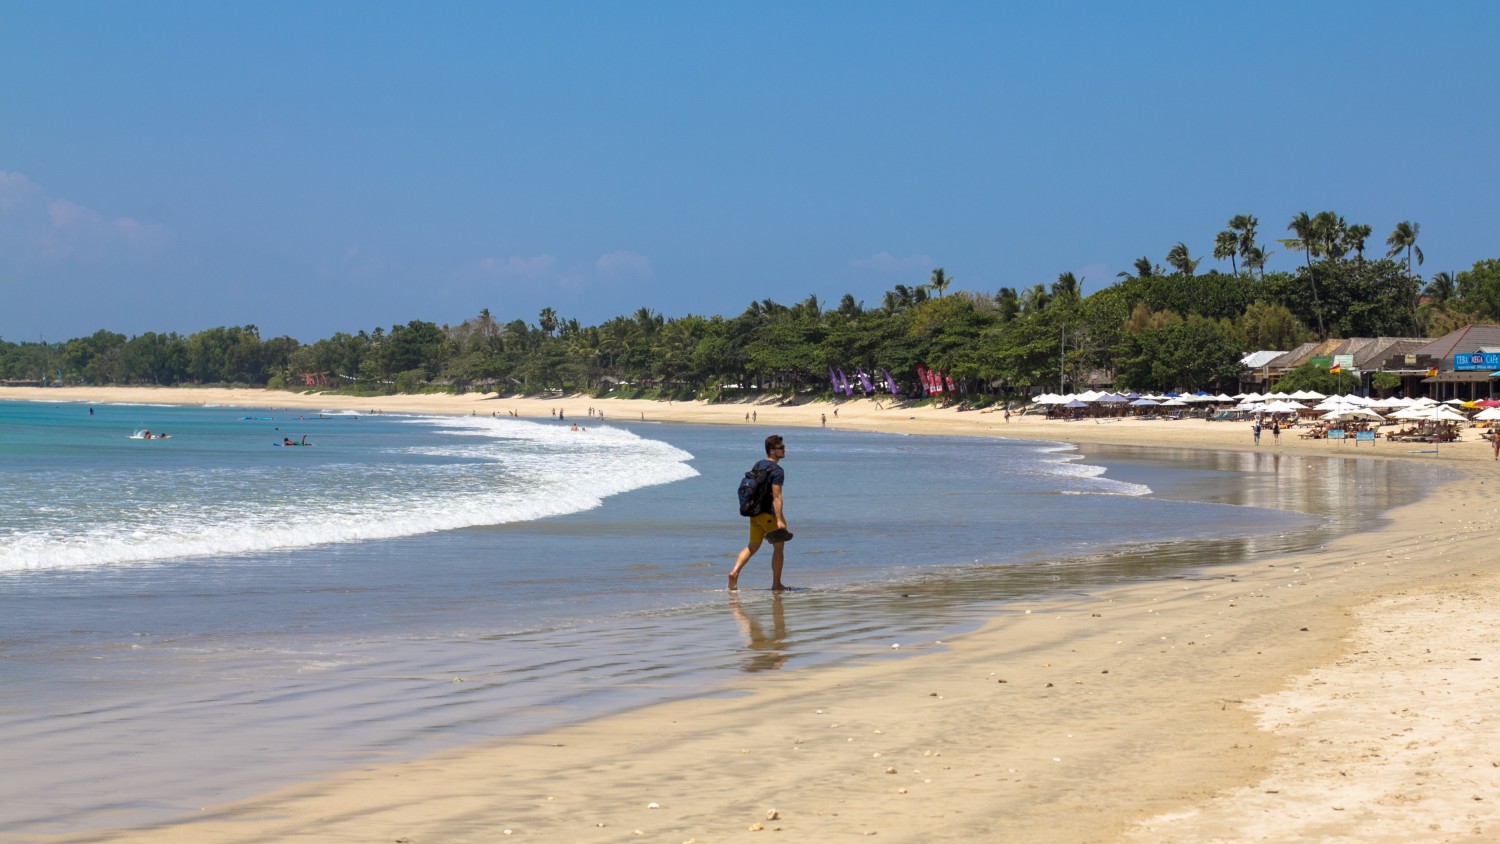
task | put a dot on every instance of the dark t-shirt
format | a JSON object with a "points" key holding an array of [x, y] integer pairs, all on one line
{"points": [[775, 476]]}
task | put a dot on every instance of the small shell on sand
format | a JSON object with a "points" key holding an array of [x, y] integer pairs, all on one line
{"points": [[773, 815]]}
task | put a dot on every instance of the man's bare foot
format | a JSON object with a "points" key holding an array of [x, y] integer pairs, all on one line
{"points": [[734, 582], [780, 587]]}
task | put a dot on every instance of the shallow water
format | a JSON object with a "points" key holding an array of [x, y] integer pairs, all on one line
{"points": [[589, 577]]}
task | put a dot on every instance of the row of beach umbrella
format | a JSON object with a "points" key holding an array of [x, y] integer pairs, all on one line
{"points": [[1335, 408]]}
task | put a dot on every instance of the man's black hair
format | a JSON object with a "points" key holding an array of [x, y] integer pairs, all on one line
{"points": [[773, 442]]}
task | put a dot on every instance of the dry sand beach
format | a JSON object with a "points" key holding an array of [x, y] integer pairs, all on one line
{"points": [[1343, 695]]}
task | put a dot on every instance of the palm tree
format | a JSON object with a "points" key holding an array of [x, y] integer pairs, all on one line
{"points": [[1332, 234], [1244, 227], [547, 319], [1008, 303], [1441, 288], [1306, 240], [1404, 236], [850, 308], [1358, 234], [1067, 287], [1034, 299], [1255, 259], [1226, 245], [1179, 259], [1143, 269], [939, 281]]}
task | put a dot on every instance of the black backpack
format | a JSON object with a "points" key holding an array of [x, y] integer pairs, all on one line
{"points": [[755, 491]]}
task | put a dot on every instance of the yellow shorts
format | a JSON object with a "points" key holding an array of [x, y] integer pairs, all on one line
{"points": [[760, 526]]}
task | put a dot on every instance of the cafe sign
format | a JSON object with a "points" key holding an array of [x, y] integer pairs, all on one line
{"points": [[1488, 361]]}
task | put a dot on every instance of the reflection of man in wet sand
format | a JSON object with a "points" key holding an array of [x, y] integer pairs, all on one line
{"points": [[770, 651], [769, 520]]}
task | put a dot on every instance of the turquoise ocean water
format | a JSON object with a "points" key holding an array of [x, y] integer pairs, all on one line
{"points": [[409, 583]]}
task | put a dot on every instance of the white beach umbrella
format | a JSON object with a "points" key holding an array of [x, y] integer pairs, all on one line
{"points": [[1354, 413], [1454, 402], [1489, 414], [1251, 397], [1311, 395], [1434, 413], [1222, 397], [1144, 402], [1174, 403]]}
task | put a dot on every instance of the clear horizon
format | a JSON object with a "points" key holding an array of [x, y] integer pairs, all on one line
{"points": [[313, 169]]}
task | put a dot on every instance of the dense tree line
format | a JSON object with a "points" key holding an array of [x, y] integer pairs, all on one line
{"points": [[1157, 327]]}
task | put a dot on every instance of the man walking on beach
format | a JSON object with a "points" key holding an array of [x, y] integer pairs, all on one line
{"points": [[771, 523]]}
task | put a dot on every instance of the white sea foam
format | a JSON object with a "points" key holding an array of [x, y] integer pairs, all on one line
{"points": [[493, 472], [1066, 462]]}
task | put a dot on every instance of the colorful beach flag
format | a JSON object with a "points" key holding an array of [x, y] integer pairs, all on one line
{"points": [[1432, 372], [1335, 369]]}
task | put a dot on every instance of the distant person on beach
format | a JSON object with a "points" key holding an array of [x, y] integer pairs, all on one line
{"points": [[1255, 429], [1276, 431], [1495, 441], [767, 521], [825, 420]]}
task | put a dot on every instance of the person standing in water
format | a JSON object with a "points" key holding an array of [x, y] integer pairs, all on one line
{"points": [[769, 522]]}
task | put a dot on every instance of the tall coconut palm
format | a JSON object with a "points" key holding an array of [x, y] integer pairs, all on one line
{"points": [[1404, 237], [547, 320], [1332, 234], [1243, 225], [1226, 245], [1306, 241], [1179, 259]]}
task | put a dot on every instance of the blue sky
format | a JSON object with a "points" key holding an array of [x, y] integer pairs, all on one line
{"points": [[321, 167]]}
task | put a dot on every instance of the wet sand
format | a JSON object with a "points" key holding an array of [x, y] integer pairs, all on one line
{"points": [[1339, 694]]}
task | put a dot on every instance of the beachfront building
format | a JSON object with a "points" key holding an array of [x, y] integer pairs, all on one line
{"points": [[1467, 361], [1360, 357], [1257, 371]]}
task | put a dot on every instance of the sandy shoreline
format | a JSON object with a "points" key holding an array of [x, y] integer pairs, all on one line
{"points": [[1338, 695]]}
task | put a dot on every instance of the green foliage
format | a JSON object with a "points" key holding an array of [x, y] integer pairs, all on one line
{"points": [[1315, 377], [1179, 354], [1272, 326], [1156, 328]]}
